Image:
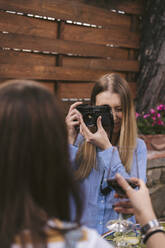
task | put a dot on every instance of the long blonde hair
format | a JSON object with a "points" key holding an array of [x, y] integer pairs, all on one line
{"points": [[126, 143]]}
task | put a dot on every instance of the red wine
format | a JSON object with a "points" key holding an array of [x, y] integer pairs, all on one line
{"points": [[114, 184]]}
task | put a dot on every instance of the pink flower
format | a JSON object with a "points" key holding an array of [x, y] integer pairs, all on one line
{"points": [[146, 116], [152, 111], [160, 107], [137, 115], [154, 120], [159, 122]]}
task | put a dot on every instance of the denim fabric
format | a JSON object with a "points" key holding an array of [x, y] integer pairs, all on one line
{"points": [[98, 208]]}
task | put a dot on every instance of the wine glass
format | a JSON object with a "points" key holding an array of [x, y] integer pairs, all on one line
{"points": [[121, 226]]}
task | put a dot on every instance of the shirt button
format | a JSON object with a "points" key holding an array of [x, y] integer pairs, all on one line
{"points": [[101, 222], [102, 201], [105, 179]]}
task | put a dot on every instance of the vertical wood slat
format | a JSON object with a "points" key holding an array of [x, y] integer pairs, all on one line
{"points": [[59, 57], [132, 54], [60, 37]]}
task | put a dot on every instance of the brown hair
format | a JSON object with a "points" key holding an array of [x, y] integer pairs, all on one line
{"points": [[35, 178], [128, 134]]}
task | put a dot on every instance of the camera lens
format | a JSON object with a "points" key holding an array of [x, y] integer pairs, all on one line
{"points": [[89, 119]]}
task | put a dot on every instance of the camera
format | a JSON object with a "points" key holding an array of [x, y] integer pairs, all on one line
{"points": [[112, 183], [91, 113]]}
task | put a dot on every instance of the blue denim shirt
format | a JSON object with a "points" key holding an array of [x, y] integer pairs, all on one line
{"points": [[98, 208]]}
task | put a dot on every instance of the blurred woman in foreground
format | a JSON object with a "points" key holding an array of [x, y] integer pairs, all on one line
{"points": [[36, 185]]}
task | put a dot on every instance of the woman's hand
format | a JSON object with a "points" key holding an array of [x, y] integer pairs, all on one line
{"points": [[140, 199], [99, 138], [124, 207], [72, 121]]}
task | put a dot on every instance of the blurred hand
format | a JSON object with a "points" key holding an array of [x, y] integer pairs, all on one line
{"points": [[139, 199], [124, 207], [72, 121], [99, 138]]}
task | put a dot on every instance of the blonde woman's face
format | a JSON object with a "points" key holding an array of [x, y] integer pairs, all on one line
{"points": [[113, 100]]}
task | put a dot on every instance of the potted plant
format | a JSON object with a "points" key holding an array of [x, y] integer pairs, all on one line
{"points": [[151, 127]]}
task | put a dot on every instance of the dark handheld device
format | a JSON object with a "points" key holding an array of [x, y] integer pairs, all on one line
{"points": [[91, 113], [114, 184]]}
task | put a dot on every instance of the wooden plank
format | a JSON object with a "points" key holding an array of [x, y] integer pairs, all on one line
{"points": [[115, 35], [102, 64], [50, 73], [49, 86], [59, 46], [19, 57], [67, 10], [70, 90], [133, 88], [135, 7], [74, 89], [19, 24]]}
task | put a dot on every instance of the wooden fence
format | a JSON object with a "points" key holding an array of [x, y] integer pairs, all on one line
{"points": [[68, 45]]}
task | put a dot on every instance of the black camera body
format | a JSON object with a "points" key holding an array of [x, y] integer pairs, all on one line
{"points": [[91, 113]]}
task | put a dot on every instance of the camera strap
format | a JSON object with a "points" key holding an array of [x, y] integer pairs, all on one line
{"points": [[137, 164]]}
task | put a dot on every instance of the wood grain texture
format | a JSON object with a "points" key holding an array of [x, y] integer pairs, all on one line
{"points": [[67, 10], [135, 7], [20, 58], [103, 64], [132, 7], [77, 55], [81, 90], [19, 24], [59, 46], [74, 89], [49, 72], [115, 35]]}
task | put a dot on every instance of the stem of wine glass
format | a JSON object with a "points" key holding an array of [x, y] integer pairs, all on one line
{"points": [[120, 216]]}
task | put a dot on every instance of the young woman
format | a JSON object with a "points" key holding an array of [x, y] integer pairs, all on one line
{"points": [[36, 185], [95, 157]]}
